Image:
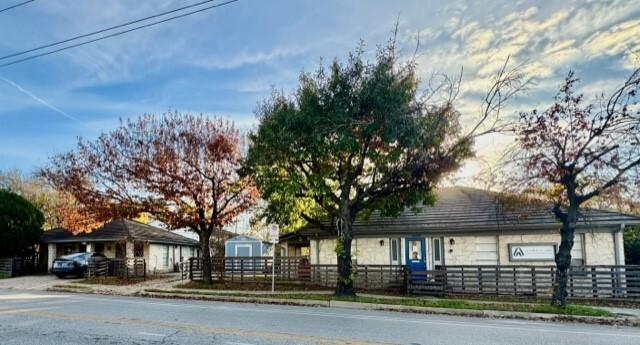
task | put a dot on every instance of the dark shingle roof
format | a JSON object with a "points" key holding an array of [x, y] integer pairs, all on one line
{"points": [[462, 209], [118, 230]]}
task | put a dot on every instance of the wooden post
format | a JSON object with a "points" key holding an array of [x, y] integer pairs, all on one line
{"points": [[594, 282], [533, 281], [480, 279], [405, 278]]}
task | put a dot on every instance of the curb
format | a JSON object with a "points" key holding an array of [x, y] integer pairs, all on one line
{"points": [[622, 321]]}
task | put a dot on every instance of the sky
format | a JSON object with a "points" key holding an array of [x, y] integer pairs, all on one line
{"points": [[221, 62]]}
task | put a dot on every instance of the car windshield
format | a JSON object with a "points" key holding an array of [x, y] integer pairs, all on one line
{"points": [[73, 256]]}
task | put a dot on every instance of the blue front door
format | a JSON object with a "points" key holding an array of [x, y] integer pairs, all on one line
{"points": [[415, 254]]}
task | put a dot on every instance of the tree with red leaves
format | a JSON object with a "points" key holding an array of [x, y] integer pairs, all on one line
{"points": [[578, 152], [179, 168]]}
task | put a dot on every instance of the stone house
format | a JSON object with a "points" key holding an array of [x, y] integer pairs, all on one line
{"points": [[160, 248], [466, 226]]}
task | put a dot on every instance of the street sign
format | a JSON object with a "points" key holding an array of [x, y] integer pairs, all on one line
{"points": [[274, 233], [274, 237]]}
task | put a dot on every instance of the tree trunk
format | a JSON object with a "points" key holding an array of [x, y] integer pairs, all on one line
{"points": [[205, 237], [345, 278], [563, 260]]}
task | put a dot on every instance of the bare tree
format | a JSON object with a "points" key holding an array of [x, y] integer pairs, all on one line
{"points": [[574, 153]]}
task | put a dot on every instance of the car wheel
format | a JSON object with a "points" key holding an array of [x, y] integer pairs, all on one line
{"points": [[61, 276]]}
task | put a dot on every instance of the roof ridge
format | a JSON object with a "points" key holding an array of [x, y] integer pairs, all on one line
{"points": [[126, 227]]}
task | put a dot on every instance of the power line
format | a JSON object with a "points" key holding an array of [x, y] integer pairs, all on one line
{"points": [[119, 33], [103, 30], [16, 5]]}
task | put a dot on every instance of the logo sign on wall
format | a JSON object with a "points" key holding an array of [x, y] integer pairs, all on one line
{"points": [[532, 251]]}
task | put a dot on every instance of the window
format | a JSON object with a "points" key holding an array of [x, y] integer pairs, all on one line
{"points": [[121, 249], [436, 249], [394, 250], [138, 249], [415, 250], [487, 250], [165, 255], [577, 256]]}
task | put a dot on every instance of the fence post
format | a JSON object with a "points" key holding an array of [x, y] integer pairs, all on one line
{"points": [[405, 278], [480, 279], [594, 282], [534, 289]]}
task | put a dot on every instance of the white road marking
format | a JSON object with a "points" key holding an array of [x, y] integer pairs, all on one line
{"points": [[154, 334]]}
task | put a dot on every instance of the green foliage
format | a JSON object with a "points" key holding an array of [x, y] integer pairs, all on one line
{"points": [[632, 245], [354, 138], [20, 225]]}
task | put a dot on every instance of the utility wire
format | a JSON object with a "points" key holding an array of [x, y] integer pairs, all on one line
{"points": [[16, 5], [117, 33], [103, 30]]}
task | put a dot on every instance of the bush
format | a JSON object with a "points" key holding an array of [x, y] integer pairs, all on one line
{"points": [[20, 225]]}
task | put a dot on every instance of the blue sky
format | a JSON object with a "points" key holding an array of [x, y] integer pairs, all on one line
{"points": [[223, 61]]}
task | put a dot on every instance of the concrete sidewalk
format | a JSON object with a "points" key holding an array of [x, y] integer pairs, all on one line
{"points": [[170, 281]]}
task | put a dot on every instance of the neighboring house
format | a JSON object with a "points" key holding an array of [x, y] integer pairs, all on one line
{"points": [[466, 227], [221, 236], [161, 249], [245, 246]]}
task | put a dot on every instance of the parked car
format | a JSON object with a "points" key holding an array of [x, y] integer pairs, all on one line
{"points": [[73, 264]]}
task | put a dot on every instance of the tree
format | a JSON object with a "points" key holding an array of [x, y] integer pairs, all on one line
{"points": [[179, 168], [359, 138], [59, 208], [20, 225], [578, 152], [632, 245]]}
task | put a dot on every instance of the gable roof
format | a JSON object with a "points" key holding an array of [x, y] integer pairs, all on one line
{"points": [[463, 209], [244, 238], [119, 230]]}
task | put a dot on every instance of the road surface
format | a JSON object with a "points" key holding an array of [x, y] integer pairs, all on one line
{"points": [[28, 317]]}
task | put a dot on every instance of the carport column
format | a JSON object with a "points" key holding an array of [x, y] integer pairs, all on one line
{"points": [[90, 247], [129, 248], [51, 255]]}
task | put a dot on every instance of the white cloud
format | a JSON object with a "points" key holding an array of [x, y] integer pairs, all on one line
{"points": [[248, 58], [616, 40]]}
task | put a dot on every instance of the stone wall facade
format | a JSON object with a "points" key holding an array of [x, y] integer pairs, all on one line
{"points": [[594, 248]]}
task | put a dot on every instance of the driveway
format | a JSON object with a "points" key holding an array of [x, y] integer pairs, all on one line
{"points": [[37, 283]]}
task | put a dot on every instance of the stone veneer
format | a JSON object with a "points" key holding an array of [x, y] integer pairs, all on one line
{"points": [[598, 249]]}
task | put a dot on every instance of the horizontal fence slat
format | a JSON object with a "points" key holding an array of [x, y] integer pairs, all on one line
{"points": [[584, 281]]}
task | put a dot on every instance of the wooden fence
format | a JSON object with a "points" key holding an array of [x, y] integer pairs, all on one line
{"points": [[295, 270], [620, 282], [18, 266], [584, 281], [124, 268], [6, 267]]}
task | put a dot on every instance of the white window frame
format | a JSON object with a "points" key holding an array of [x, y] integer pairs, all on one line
{"points": [[165, 255]]}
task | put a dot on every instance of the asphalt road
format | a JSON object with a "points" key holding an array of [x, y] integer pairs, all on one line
{"points": [[49, 318]]}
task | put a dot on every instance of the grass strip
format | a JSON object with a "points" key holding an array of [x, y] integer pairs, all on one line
{"points": [[576, 310]]}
